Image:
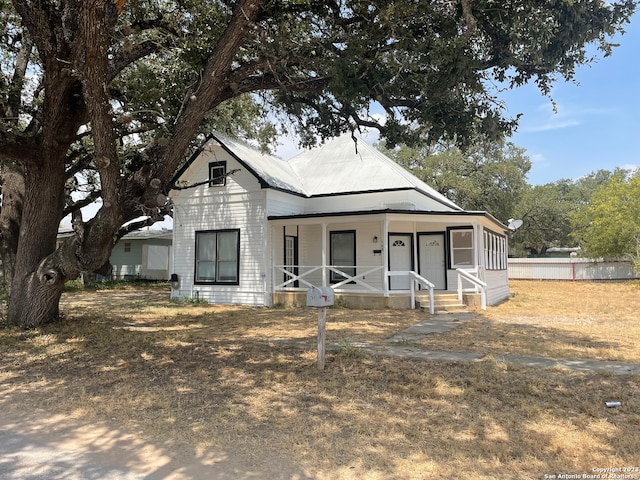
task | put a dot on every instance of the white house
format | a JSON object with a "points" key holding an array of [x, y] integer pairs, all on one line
{"points": [[261, 230]]}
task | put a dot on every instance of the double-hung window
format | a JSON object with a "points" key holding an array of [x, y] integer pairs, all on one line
{"points": [[217, 174], [218, 257], [343, 254], [461, 243]]}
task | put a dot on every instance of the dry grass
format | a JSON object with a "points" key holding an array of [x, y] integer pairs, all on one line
{"points": [[199, 378], [556, 319]]}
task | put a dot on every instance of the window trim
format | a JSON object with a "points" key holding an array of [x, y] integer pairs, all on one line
{"points": [[334, 277], [195, 264], [221, 182], [450, 231]]}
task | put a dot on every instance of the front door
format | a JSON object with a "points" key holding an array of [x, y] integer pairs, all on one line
{"points": [[431, 253], [400, 253]]}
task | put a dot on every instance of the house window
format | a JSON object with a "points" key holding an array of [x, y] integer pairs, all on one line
{"points": [[461, 242], [217, 257], [127, 247], [217, 174], [495, 251], [343, 254]]}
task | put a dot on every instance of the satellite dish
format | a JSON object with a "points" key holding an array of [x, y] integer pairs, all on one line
{"points": [[514, 224]]}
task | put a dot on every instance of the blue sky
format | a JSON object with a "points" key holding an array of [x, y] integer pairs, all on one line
{"points": [[597, 124]]}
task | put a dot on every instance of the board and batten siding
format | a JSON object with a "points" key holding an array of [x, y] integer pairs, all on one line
{"points": [[240, 204]]}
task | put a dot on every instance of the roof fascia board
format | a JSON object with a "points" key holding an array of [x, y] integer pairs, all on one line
{"points": [[407, 213]]}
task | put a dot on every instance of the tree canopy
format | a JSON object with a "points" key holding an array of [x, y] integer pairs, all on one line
{"points": [[123, 91], [488, 176], [547, 212], [609, 225]]}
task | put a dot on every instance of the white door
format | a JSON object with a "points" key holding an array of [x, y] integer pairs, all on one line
{"points": [[432, 259], [400, 260]]}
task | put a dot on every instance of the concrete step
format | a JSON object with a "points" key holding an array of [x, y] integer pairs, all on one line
{"points": [[444, 302]]}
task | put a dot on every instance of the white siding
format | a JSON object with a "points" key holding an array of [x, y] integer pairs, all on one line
{"points": [[498, 286], [310, 247], [280, 203], [238, 205]]}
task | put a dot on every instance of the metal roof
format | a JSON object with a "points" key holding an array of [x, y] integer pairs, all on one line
{"points": [[271, 170], [348, 164], [342, 165]]}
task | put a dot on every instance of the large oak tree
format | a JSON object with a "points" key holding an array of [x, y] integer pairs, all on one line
{"points": [[121, 91]]}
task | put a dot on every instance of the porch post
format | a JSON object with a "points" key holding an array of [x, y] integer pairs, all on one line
{"points": [[324, 254], [479, 243], [385, 256]]}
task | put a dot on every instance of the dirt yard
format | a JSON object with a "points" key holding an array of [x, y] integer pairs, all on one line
{"points": [[189, 391]]}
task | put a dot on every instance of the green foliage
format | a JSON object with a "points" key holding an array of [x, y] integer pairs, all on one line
{"points": [[547, 212], [323, 67], [489, 176], [544, 211], [609, 225], [347, 349], [189, 301]]}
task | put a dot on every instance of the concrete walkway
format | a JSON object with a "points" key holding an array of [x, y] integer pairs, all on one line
{"points": [[399, 346]]}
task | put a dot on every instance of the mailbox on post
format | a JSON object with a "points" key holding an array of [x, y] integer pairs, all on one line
{"points": [[320, 297]]}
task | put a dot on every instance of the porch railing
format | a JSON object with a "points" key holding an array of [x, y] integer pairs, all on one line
{"points": [[300, 277], [478, 286], [414, 281], [301, 274]]}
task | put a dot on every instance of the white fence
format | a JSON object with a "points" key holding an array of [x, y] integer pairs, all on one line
{"points": [[570, 269]]}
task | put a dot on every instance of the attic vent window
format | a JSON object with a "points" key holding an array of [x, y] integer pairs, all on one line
{"points": [[217, 174]]}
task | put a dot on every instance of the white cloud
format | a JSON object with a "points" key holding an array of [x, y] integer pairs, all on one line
{"points": [[566, 116]]}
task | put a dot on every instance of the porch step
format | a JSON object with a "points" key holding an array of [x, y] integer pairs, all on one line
{"points": [[444, 302]]}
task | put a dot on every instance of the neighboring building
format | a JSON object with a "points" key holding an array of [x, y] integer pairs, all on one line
{"points": [[343, 215], [143, 254]]}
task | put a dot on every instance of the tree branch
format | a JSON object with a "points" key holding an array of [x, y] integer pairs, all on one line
{"points": [[124, 58], [175, 186], [88, 200], [207, 94]]}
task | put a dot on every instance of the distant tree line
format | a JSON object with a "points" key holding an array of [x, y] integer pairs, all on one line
{"points": [[599, 212]]}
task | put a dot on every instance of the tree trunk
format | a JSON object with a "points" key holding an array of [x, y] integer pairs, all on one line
{"points": [[38, 282], [12, 181]]}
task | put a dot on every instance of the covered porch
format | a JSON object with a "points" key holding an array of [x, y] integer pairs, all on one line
{"points": [[386, 259]]}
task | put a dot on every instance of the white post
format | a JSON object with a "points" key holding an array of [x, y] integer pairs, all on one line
{"points": [[324, 254], [412, 282], [432, 302], [385, 257]]}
